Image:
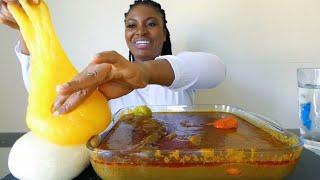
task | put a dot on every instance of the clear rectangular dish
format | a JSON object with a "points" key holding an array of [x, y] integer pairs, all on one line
{"points": [[177, 142]]}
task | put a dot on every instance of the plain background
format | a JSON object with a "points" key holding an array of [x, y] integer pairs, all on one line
{"points": [[262, 42]]}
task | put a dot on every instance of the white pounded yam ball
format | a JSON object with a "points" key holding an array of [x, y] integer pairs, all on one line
{"points": [[34, 158]]}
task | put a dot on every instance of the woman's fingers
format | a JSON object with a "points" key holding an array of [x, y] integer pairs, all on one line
{"points": [[110, 57], [30, 1], [58, 103], [93, 75], [65, 104], [6, 13], [112, 90], [34, 1], [9, 23], [103, 68], [6, 17], [73, 93]]}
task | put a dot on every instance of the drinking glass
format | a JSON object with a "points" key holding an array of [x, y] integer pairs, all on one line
{"points": [[309, 107]]}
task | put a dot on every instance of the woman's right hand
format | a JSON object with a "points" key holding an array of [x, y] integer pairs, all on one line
{"points": [[7, 19], [5, 15], [109, 72]]}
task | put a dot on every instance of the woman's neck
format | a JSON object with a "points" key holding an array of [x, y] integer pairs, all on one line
{"points": [[136, 58]]}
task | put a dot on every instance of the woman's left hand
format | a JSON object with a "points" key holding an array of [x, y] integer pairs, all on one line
{"points": [[109, 72]]}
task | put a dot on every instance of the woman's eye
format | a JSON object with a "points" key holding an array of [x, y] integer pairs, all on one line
{"points": [[130, 26], [151, 24]]}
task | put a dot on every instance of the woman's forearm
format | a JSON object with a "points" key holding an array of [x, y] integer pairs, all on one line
{"points": [[160, 72]]}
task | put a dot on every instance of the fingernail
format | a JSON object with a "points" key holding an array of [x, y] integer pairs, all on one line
{"points": [[60, 111], [56, 113], [60, 87]]}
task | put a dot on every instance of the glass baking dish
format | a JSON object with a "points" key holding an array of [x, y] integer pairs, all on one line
{"points": [[234, 153]]}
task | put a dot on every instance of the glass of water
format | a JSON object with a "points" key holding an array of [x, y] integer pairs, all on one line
{"points": [[309, 107]]}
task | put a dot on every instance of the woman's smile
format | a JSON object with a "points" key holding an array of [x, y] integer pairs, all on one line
{"points": [[142, 43]]}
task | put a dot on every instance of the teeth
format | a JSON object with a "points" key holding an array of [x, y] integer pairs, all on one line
{"points": [[142, 42]]}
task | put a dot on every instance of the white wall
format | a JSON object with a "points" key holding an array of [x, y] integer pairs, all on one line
{"points": [[262, 42], [13, 98]]}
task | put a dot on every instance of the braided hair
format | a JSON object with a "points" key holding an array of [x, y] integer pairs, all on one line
{"points": [[166, 48]]}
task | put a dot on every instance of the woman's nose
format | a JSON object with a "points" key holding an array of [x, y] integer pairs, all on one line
{"points": [[141, 30]]}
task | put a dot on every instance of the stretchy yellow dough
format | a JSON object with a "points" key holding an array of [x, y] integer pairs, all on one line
{"points": [[50, 66]]}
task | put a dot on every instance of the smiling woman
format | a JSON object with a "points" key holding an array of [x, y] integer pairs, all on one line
{"points": [[153, 77]]}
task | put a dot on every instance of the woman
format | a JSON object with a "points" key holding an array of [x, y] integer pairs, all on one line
{"points": [[151, 76]]}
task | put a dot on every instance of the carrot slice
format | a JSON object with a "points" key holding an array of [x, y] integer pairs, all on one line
{"points": [[225, 123]]}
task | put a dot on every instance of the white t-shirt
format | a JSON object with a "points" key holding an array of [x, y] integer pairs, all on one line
{"points": [[192, 71]]}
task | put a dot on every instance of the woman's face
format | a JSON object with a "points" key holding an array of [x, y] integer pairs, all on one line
{"points": [[144, 33]]}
